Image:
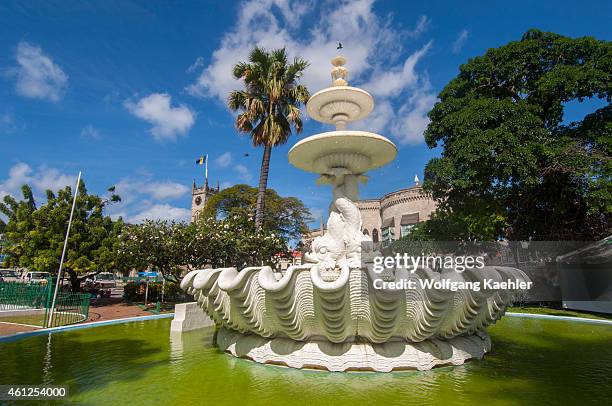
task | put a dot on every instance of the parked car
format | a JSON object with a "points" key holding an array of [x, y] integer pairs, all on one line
{"points": [[100, 284], [9, 275], [35, 277]]}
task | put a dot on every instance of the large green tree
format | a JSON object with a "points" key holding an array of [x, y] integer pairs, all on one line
{"points": [[511, 166], [269, 106], [35, 235], [284, 216]]}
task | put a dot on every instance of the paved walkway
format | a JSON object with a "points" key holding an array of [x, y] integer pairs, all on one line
{"points": [[113, 308], [99, 310], [9, 328]]}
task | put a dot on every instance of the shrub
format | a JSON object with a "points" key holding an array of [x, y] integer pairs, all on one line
{"points": [[135, 292]]}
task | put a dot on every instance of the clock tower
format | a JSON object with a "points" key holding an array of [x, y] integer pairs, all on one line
{"points": [[199, 198]]}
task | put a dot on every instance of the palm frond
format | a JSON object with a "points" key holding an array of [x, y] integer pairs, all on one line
{"points": [[270, 101]]}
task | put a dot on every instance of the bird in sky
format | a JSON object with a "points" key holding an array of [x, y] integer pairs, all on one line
{"points": [[339, 45]]}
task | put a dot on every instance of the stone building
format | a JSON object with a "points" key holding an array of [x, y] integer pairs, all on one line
{"points": [[199, 198], [392, 216], [309, 237]]}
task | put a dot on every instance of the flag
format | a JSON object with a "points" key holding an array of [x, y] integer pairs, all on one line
{"points": [[203, 160]]}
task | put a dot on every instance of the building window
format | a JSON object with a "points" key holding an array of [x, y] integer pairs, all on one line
{"points": [[388, 236], [407, 223], [375, 235], [406, 230], [388, 231], [365, 232]]}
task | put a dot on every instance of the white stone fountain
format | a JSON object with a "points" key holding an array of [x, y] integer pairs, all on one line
{"points": [[327, 314]]}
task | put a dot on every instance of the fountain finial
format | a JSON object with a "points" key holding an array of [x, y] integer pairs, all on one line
{"points": [[339, 73]]}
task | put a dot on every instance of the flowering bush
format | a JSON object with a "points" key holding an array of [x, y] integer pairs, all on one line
{"points": [[174, 248], [234, 241]]}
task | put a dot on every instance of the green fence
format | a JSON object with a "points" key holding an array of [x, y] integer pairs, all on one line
{"points": [[30, 303], [70, 308], [20, 296]]}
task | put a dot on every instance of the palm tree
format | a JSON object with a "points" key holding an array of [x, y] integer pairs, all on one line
{"points": [[269, 105]]}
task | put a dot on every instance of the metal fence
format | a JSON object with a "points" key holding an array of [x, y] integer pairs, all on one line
{"points": [[19, 296], [30, 303], [70, 308]]}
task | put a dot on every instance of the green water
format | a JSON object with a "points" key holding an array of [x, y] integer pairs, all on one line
{"points": [[532, 362]]}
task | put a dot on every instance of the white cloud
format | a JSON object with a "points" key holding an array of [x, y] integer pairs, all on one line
{"points": [[9, 124], [411, 120], [41, 179], [168, 122], [38, 77], [19, 174], [421, 26], [391, 81], [372, 47], [224, 160], [51, 178], [161, 212], [139, 199], [197, 65], [91, 132], [268, 23], [243, 173], [460, 41], [378, 120], [226, 184], [133, 190], [165, 190], [144, 198]]}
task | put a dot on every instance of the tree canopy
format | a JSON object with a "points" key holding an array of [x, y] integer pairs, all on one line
{"points": [[511, 166], [284, 216], [172, 248], [35, 235]]}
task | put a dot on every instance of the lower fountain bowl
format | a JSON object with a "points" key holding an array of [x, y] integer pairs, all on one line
{"points": [[354, 356], [373, 150]]}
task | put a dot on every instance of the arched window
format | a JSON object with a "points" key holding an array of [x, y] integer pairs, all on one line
{"points": [[375, 235], [365, 232]]}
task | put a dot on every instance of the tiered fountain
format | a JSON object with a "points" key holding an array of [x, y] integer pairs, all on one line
{"points": [[327, 314]]}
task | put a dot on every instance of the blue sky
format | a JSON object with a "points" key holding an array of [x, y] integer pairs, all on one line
{"points": [[132, 92]]}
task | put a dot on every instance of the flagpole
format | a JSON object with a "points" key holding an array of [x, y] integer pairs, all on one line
{"points": [[206, 162], [59, 272]]}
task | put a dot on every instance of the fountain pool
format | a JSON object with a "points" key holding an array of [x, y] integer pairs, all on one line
{"points": [[532, 361]]}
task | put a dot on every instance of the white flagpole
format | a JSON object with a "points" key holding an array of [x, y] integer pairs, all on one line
{"points": [[206, 162], [59, 272]]}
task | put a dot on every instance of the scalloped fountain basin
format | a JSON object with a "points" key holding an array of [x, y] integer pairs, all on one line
{"points": [[307, 320]]}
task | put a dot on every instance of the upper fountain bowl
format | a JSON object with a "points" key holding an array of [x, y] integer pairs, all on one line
{"points": [[339, 105]]}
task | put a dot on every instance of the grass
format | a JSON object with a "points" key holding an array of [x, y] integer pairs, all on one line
{"points": [[30, 319], [39, 319], [560, 312]]}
